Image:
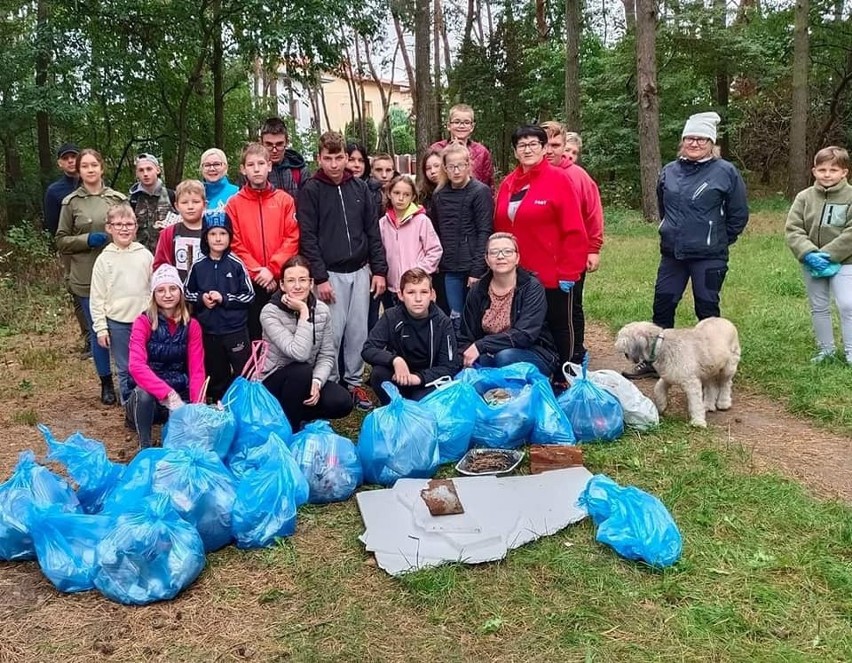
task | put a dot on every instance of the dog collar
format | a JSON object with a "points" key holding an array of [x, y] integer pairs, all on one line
{"points": [[654, 347]]}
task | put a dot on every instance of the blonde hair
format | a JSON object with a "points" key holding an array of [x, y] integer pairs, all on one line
{"points": [[254, 150], [449, 150], [212, 152], [461, 108], [188, 187], [120, 211], [574, 137], [836, 156], [554, 128], [153, 312], [494, 237]]}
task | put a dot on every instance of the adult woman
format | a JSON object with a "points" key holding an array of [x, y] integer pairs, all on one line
{"points": [[217, 187], [462, 212], [504, 317], [82, 236], [703, 208], [297, 327], [538, 204]]}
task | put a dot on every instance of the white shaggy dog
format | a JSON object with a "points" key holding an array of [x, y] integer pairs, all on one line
{"points": [[702, 361]]}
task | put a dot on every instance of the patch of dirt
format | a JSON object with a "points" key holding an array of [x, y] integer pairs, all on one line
{"points": [[777, 440]]}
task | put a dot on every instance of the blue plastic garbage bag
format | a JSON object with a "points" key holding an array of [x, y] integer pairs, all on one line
{"points": [[594, 413], [65, 545], [30, 486], [399, 440], [329, 462], [204, 426], [151, 554], [87, 464], [551, 425], [257, 415], [268, 496], [637, 525], [454, 406], [135, 483], [201, 489]]}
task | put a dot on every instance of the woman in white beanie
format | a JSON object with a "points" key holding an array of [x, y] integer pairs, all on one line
{"points": [[703, 210], [166, 356]]}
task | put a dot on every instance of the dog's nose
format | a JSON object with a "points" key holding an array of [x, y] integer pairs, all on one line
{"points": [[626, 356]]}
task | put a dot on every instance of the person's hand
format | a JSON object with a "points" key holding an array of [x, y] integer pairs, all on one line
{"points": [[325, 292], [264, 277], [378, 286], [300, 306], [216, 296], [103, 340], [593, 261], [173, 401], [313, 399], [97, 240], [815, 262], [470, 356], [402, 374], [823, 254], [272, 286], [207, 300], [566, 286], [472, 281]]}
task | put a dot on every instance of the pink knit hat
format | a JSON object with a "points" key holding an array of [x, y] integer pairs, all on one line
{"points": [[165, 275]]}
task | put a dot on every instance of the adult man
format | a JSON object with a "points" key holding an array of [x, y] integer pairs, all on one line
{"points": [[341, 240], [591, 209], [289, 171], [152, 202], [66, 159]]}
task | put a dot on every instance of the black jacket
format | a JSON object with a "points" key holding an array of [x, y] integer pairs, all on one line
{"points": [[290, 174], [463, 219], [428, 345], [703, 208], [229, 277], [339, 228], [529, 330]]}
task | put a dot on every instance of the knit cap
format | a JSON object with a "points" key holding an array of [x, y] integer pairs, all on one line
{"points": [[165, 275], [214, 219], [702, 125]]}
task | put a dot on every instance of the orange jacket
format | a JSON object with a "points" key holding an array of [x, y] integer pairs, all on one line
{"points": [[265, 232]]}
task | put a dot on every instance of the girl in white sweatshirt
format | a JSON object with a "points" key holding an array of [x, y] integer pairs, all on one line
{"points": [[121, 290]]}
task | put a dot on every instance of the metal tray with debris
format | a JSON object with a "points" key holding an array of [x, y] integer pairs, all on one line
{"points": [[486, 462]]}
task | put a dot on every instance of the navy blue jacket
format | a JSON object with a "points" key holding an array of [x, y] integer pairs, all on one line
{"points": [[703, 208], [53, 197], [229, 277], [167, 354]]}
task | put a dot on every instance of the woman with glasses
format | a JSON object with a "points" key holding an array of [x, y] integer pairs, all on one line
{"points": [[703, 210], [217, 187], [505, 315], [537, 203], [462, 210]]}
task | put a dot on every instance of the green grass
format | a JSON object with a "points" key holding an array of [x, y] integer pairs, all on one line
{"points": [[763, 295]]}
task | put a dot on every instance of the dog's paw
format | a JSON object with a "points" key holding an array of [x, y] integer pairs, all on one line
{"points": [[698, 423], [723, 405], [709, 407]]}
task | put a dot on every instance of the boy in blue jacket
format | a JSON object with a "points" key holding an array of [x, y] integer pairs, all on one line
{"points": [[219, 287]]}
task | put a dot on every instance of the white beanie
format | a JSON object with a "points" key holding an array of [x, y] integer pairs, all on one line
{"points": [[702, 125], [165, 275]]}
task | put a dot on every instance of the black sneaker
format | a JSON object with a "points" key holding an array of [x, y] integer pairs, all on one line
{"points": [[643, 369]]}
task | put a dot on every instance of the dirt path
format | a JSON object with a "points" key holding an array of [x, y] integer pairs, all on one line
{"points": [[776, 439]]}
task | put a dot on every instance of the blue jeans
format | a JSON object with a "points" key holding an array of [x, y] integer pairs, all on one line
{"points": [[99, 355], [513, 356], [119, 346], [455, 290]]}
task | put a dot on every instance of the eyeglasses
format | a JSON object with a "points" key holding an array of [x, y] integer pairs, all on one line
{"points": [[701, 142], [528, 147], [211, 166], [280, 145], [456, 167], [122, 226], [500, 253], [461, 123]]}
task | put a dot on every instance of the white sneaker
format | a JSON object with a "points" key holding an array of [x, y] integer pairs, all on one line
{"points": [[823, 356]]}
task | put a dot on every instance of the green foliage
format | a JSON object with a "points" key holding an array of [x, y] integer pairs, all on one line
{"points": [[367, 134]]}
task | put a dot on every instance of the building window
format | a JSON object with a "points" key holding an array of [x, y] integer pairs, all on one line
{"points": [[368, 108]]}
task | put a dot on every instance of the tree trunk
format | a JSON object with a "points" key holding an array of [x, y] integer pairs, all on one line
{"points": [[362, 107], [436, 46], [445, 41], [16, 209], [541, 20], [468, 23], [218, 74], [629, 14], [400, 39], [649, 106], [424, 108], [573, 13], [42, 65], [722, 80], [385, 125], [799, 173]]}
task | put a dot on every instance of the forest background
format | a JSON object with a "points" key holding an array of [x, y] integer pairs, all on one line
{"points": [[174, 77]]}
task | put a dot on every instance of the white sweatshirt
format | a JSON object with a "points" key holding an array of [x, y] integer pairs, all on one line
{"points": [[121, 285]]}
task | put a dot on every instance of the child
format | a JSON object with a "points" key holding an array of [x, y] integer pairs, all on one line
{"points": [[166, 356], [120, 291], [180, 244], [220, 288], [819, 233], [429, 178], [151, 201], [407, 233], [382, 172], [460, 125], [414, 344], [265, 233]]}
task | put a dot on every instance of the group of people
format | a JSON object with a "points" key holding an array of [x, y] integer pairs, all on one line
{"points": [[356, 263]]}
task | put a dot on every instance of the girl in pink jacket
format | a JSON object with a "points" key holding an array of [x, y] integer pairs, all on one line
{"points": [[408, 236]]}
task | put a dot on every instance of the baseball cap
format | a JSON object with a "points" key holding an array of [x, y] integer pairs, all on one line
{"points": [[65, 148], [145, 156]]}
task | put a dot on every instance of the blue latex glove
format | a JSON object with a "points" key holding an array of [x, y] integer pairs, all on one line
{"points": [[823, 254], [828, 272], [815, 262], [97, 240], [565, 286]]}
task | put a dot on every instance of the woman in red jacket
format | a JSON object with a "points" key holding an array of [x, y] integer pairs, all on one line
{"points": [[537, 203]]}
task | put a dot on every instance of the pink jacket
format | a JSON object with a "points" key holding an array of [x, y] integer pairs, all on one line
{"points": [[141, 372], [411, 242], [590, 202], [480, 159]]}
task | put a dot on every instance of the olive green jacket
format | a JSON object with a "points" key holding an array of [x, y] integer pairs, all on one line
{"points": [[821, 220], [83, 213]]}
